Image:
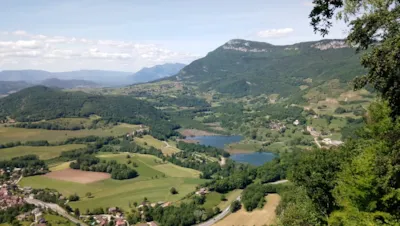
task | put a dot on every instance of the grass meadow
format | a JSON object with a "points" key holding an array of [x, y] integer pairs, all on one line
{"points": [[11, 134], [43, 152], [151, 141], [151, 183]]}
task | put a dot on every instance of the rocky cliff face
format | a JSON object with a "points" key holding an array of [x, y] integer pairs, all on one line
{"points": [[330, 45]]}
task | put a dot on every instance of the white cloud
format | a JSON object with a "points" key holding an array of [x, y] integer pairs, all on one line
{"points": [[275, 33], [81, 53], [20, 33], [31, 44], [308, 3]]}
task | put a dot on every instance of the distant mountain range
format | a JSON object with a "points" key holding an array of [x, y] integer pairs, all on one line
{"points": [[156, 72], [83, 77], [68, 84], [8, 87], [106, 78]]}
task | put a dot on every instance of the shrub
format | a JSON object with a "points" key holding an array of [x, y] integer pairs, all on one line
{"points": [[235, 206]]}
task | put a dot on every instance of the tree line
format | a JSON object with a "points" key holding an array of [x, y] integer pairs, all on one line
{"points": [[92, 163], [31, 165]]}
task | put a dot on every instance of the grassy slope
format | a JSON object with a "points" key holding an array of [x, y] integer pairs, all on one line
{"points": [[10, 134], [151, 141], [119, 193], [43, 152], [214, 199]]}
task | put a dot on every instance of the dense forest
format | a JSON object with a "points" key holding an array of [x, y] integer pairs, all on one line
{"points": [[91, 163], [42, 103]]}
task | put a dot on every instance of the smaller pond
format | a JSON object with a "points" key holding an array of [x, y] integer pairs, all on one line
{"points": [[216, 141], [255, 158]]}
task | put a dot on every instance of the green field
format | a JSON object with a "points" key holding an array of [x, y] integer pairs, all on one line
{"points": [[44, 153], [150, 183], [55, 220], [147, 141], [212, 200], [230, 197], [11, 134]]}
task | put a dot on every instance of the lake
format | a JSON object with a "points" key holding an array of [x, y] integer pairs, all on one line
{"points": [[253, 158], [216, 141]]}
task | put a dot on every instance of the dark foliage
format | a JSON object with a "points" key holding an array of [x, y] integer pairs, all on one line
{"points": [[31, 164], [39, 103], [91, 163], [235, 206], [9, 215]]}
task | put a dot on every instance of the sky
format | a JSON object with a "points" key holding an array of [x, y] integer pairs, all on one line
{"points": [[126, 35]]}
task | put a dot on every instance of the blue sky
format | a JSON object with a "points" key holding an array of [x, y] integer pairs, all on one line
{"points": [[127, 35]]}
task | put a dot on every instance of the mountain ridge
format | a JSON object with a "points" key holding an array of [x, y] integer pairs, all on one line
{"points": [[242, 67], [148, 74]]}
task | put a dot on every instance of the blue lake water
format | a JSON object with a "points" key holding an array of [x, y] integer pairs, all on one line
{"points": [[254, 158]]}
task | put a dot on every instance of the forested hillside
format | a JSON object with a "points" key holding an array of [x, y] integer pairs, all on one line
{"points": [[43, 103], [241, 67]]}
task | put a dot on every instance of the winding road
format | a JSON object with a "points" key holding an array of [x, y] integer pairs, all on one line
{"points": [[220, 216], [227, 210], [56, 208]]}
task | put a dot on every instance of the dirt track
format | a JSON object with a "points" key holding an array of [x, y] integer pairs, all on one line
{"points": [[77, 176]]}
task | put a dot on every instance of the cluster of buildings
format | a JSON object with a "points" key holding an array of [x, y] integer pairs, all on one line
{"points": [[114, 214], [7, 199], [36, 215]]}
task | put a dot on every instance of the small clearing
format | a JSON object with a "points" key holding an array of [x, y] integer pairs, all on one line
{"points": [[77, 176], [59, 166], [265, 216]]}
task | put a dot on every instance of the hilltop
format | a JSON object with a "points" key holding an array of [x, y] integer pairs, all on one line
{"points": [[241, 67]]}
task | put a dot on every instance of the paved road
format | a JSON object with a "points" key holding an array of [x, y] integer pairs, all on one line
{"points": [[219, 216], [279, 182], [55, 208]]}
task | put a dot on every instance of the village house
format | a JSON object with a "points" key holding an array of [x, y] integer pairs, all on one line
{"points": [[166, 204], [329, 141], [202, 191], [112, 210]]}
